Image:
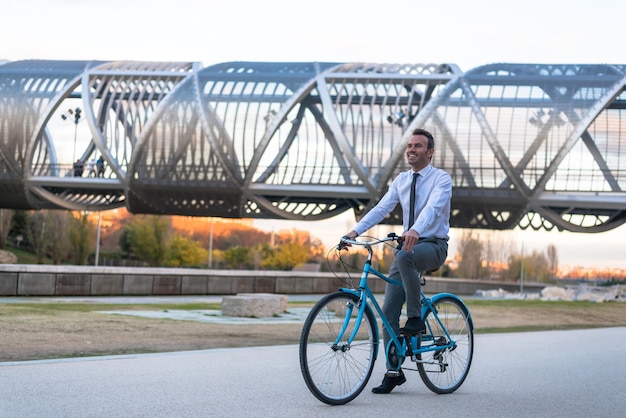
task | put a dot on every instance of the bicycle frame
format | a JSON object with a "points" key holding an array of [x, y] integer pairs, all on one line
{"points": [[364, 293]]}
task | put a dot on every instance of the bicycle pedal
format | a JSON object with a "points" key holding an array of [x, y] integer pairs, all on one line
{"points": [[393, 373]]}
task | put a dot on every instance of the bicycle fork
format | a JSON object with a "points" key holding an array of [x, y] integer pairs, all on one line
{"points": [[342, 343]]}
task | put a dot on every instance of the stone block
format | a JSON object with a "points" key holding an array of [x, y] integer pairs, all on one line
{"points": [[138, 284], [73, 284], [194, 285], [244, 284], [304, 286], [322, 285], [8, 284], [377, 285], [281, 299], [36, 284], [107, 284], [7, 257], [254, 305], [286, 285], [265, 284], [221, 285], [166, 285]]}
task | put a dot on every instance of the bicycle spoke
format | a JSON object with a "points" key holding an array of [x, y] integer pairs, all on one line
{"points": [[444, 370], [337, 371]]}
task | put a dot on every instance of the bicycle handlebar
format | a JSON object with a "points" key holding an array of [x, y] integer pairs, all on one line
{"points": [[345, 242]]}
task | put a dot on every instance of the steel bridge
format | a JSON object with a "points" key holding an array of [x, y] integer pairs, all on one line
{"points": [[534, 146]]}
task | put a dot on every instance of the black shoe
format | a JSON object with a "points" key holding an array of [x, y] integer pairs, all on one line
{"points": [[390, 382], [413, 326]]}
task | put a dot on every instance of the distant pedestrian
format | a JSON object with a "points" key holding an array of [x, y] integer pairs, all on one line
{"points": [[91, 168], [100, 166], [78, 168]]}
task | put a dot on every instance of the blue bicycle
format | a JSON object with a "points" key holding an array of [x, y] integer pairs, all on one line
{"points": [[340, 338]]}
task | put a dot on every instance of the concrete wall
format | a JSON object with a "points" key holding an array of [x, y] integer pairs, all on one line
{"points": [[47, 280]]}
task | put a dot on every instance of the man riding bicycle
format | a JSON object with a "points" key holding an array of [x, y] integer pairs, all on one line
{"points": [[424, 194]]}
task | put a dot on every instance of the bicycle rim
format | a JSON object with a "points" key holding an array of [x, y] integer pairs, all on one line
{"points": [[337, 373], [444, 370]]}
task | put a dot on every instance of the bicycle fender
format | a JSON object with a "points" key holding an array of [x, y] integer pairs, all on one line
{"points": [[369, 308], [346, 290], [438, 296]]}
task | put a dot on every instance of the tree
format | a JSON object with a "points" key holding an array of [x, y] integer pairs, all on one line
{"points": [[81, 233], [58, 242], [36, 234], [553, 260], [6, 220], [238, 257], [47, 234], [470, 249], [539, 268], [146, 235], [260, 253], [125, 243], [19, 226], [287, 256], [535, 267], [182, 251], [497, 248]]}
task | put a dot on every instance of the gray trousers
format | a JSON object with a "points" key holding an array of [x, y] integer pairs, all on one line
{"points": [[427, 254]]}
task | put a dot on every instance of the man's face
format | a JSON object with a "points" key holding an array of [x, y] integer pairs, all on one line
{"points": [[417, 153]]}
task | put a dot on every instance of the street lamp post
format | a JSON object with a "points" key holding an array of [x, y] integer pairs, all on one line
{"points": [[521, 274], [77, 114], [98, 239], [211, 245]]}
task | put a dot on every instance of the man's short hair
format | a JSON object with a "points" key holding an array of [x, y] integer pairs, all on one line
{"points": [[424, 132]]}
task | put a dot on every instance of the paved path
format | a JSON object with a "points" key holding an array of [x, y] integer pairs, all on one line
{"points": [[534, 374]]}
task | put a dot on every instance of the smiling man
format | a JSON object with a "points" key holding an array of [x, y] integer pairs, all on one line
{"points": [[424, 194]]}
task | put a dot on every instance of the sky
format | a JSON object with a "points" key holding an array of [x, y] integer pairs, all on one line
{"points": [[468, 34]]}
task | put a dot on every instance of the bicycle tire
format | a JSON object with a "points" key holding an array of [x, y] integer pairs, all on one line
{"points": [[444, 371], [336, 374]]}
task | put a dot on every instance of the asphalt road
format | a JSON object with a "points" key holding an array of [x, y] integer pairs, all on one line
{"points": [[536, 374]]}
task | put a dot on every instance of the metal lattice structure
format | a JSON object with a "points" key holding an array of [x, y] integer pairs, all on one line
{"points": [[537, 146]]}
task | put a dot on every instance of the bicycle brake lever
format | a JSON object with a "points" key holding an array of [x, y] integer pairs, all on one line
{"points": [[397, 238]]}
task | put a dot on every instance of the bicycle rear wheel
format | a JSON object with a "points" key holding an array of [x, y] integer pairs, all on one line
{"points": [[337, 371], [444, 370]]}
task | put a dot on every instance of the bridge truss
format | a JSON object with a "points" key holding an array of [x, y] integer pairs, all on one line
{"points": [[534, 146]]}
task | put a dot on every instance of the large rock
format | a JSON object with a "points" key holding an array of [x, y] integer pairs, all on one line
{"points": [[254, 305], [555, 293], [7, 257]]}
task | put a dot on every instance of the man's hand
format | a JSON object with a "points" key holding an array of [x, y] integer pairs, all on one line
{"points": [[350, 235], [409, 239]]}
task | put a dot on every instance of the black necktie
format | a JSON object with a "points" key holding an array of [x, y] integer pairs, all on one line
{"points": [[412, 206]]}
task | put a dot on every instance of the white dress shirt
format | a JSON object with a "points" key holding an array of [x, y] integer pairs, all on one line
{"points": [[432, 203]]}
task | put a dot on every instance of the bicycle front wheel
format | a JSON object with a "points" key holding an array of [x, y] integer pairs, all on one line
{"points": [[444, 370], [335, 369]]}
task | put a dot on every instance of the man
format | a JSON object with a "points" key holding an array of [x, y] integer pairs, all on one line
{"points": [[78, 168], [425, 240], [100, 166]]}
